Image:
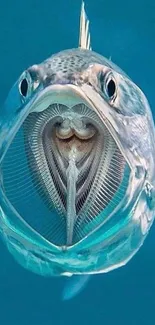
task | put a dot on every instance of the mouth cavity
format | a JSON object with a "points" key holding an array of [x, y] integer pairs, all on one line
{"points": [[62, 172]]}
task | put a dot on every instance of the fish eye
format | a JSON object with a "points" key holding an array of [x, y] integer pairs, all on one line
{"points": [[23, 87], [108, 85]]}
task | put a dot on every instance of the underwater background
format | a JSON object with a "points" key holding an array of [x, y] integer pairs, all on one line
{"points": [[31, 31]]}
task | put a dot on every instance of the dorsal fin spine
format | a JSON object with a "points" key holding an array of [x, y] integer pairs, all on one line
{"points": [[84, 37]]}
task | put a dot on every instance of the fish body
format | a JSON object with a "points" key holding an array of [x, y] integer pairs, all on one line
{"points": [[77, 147]]}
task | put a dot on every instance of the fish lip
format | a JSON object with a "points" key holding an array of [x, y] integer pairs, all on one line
{"points": [[68, 94]]}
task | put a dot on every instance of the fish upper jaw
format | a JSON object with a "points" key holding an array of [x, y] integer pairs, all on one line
{"points": [[68, 95]]}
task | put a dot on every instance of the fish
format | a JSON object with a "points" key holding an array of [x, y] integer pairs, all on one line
{"points": [[77, 148]]}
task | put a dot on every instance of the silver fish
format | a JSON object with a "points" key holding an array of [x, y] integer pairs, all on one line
{"points": [[77, 148]]}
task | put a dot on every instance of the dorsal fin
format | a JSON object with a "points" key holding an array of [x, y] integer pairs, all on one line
{"points": [[84, 37]]}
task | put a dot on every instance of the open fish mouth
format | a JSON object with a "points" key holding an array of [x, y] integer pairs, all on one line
{"points": [[64, 172]]}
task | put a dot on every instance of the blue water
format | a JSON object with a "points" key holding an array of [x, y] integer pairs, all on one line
{"points": [[29, 32]]}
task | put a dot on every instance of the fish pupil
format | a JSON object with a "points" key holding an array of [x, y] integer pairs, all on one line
{"points": [[24, 87], [111, 87]]}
